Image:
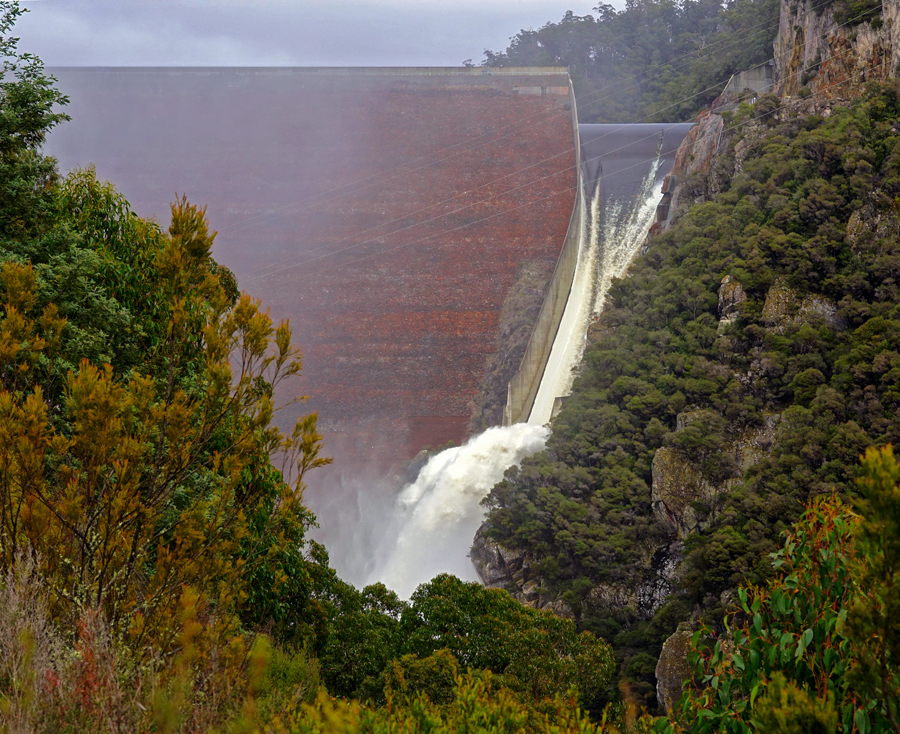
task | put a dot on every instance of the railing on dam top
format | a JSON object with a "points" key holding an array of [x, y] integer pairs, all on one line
{"points": [[523, 387]]}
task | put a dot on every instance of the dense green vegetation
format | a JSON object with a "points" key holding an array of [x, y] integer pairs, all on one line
{"points": [[583, 508], [655, 60], [155, 570], [817, 649]]}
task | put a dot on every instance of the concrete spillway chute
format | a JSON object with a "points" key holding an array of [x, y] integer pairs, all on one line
{"points": [[620, 176]]}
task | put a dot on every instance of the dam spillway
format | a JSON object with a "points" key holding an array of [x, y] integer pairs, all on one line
{"points": [[622, 171], [388, 213]]}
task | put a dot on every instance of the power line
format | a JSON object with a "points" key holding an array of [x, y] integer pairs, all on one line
{"points": [[607, 93]]}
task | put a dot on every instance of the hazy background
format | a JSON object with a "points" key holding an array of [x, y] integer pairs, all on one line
{"points": [[279, 32]]}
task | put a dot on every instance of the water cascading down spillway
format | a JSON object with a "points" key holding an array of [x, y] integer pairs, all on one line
{"points": [[622, 171], [437, 515]]}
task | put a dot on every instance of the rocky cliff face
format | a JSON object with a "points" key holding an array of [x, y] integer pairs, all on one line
{"points": [[688, 183], [501, 568], [834, 48], [817, 49]]}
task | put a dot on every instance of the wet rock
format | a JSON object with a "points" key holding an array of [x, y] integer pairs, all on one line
{"points": [[661, 580], [673, 669], [501, 568], [417, 464]]}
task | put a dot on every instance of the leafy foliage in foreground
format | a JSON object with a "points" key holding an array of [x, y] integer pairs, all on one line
{"points": [[582, 509], [477, 708], [534, 654], [817, 649]]}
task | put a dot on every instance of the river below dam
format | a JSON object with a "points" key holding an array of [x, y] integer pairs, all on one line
{"points": [[429, 526]]}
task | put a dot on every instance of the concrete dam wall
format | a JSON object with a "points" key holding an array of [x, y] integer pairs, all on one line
{"points": [[386, 212], [523, 387]]}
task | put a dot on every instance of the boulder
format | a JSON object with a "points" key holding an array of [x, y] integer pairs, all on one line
{"points": [[673, 669]]}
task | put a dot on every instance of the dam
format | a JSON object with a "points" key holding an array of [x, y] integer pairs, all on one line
{"points": [[395, 216], [433, 235]]}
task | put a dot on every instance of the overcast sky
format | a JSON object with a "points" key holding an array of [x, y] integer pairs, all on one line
{"points": [[279, 32]]}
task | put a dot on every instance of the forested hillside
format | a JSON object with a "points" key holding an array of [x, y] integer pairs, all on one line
{"points": [[738, 373], [654, 60]]}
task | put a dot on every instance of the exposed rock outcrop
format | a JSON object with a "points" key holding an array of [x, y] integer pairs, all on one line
{"points": [[502, 568], [499, 567], [698, 149], [673, 669], [819, 49], [732, 298], [678, 491], [784, 307], [694, 158], [870, 224], [658, 580], [682, 498]]}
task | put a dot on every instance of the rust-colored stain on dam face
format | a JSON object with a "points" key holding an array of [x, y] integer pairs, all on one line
{"points": [[385, 216]]}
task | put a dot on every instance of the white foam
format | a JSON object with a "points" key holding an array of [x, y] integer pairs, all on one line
{"points": [[439, 513], [429, 526], [600, 260]]}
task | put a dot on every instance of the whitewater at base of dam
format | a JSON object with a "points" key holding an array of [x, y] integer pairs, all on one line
{"points": [[437, 515], [434, 518]]}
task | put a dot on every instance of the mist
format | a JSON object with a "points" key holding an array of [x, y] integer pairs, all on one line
{"points": [[387, 217]]}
